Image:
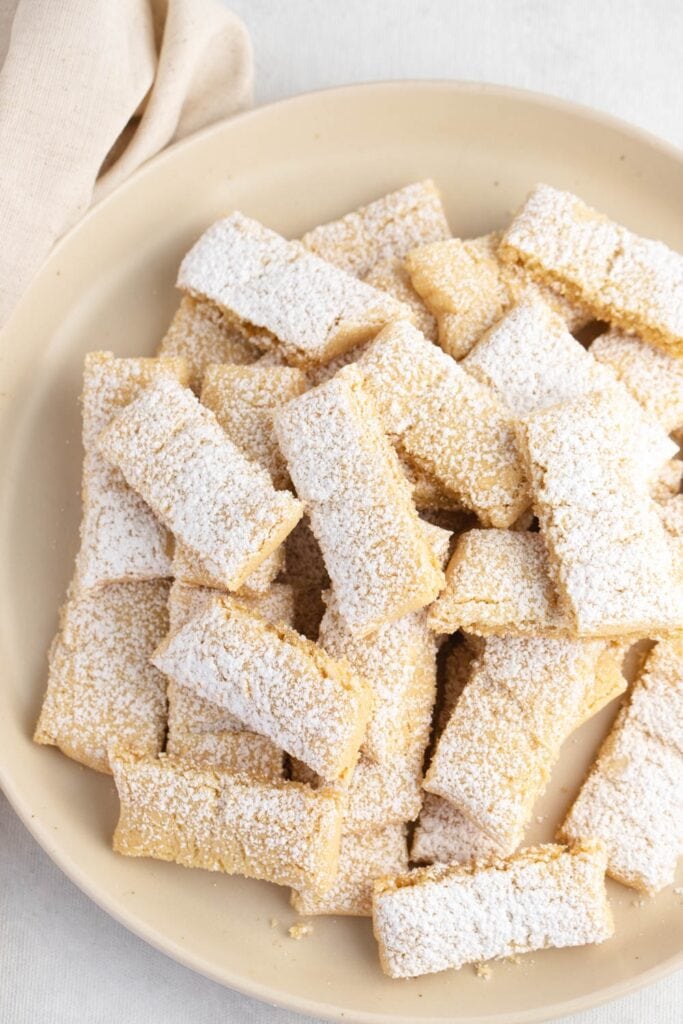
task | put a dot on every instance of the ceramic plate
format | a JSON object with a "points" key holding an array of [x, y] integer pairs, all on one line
{"points": [[109, 285]]}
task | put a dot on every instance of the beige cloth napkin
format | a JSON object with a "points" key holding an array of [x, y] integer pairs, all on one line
{"points": [[89, 90]]}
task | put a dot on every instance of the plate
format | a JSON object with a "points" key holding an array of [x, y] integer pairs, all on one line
{"points": [[109, 285]]}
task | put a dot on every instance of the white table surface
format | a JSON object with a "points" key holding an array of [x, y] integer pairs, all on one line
{"points": [[62, 959]]}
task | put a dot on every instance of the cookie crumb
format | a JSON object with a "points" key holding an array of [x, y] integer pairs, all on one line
{"points": [[273, 922], [483, 971], [300, 930]]}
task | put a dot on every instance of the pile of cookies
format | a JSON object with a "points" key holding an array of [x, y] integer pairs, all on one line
{"points": [[361, 547]]}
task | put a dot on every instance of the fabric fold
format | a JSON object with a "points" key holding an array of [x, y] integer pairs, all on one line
{"points": [[89, 92]]}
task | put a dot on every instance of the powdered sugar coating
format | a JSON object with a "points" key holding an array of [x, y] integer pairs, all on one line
{"points": [[657, 701], [242, 751], [468, 289], [110, 384], [202, 334], [444, 917], [387, 228], [446, 422], [243, 399], [633, 282], [305, 305], [494, 756], [346, 472], [632, 802], [379, 795], [390, 661], [202, 731], [531, 361], [443, 834], [190, 569], [497, 581], [222, 821], [101, 686], [184, 602], [608, 550], [391, 276], [363, 857], [653, 377], [274, 681], [633, 798], [217, 503], [121, 538], [390, 793]]}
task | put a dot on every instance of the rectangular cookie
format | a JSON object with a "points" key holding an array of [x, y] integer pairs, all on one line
{"points": [[444, 917], [468, 289], [379, 795], [274, 681], [632, 799], [362, 858], [443, 833], [608, 551], [292, 300], [202, 334], [448, 424], [203, 732], [523, 698], [217, 503], [385, 229], [531, 361], [244, 399], [632, 282], [359, 503], [203, 817], [121, 538], [498, 581], [101, 686], [390, 793], [391, 661], [654, 377]]}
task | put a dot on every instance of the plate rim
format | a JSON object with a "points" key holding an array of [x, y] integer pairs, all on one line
{"points": [[63, 860]]}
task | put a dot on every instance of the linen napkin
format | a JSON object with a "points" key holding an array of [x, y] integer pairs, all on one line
{"points": [[89, 90]]}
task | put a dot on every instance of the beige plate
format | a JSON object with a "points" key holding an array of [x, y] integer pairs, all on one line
{"points": [[110, 285]]}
